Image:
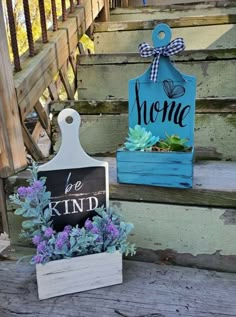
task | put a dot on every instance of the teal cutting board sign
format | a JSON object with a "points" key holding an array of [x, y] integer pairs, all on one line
{"points": [[164, 107]]}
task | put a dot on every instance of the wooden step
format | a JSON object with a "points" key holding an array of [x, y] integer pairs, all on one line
{"points": [[180, 3], [185, 225], [105, 126], [149, 290], [198, 34], [109, 73], [165, 12]]}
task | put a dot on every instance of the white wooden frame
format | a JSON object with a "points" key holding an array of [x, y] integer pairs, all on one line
{"points": [[71, 154]]}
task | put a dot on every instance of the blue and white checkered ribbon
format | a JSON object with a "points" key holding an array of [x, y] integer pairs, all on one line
{"points": [[174, 47]]}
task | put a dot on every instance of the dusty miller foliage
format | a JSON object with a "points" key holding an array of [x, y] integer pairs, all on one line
{"points": [[106, 232]]}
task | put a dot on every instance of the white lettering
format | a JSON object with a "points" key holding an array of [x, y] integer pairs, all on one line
{"points": [[76, 204], [77, 186], [91, 200], [53, 207]]}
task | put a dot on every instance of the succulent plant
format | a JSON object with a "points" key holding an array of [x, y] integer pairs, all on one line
{"points": [[140, 140], [173, 143]]}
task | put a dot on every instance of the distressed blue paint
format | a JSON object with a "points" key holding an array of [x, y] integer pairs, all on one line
{"points": [[164, 107], [171, 169], [152, 180], [157, 157], [156, 169]]}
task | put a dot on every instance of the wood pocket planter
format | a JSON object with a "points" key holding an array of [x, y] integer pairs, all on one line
{"points": [[167, 169], [78, 274], [162, 100]]}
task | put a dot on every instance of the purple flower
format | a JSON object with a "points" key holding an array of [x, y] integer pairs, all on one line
{"points": [[94, 230], [63, 235], [41, 248], [88, 224], [60, 243], [36, 240], [37, 186], [111, 228], [22, 191], [30, 191], [38, 259], [99, 239], [48, 232], [67, 229]]}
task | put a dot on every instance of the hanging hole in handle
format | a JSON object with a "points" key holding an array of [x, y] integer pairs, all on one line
{"points": [[161, 35], [69, 119]]}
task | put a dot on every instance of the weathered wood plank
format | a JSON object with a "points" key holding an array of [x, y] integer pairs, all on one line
{"points": [[134, 58], [163, 12], [64, 78], [43, 117], [53, 91], [3, 209], [148, 290], [31, 145], [159, 3], [204, 105], [196, 38], [214, 184], [111, 80], [106, 133], [105, 12], [12, 152], [201, 20]]}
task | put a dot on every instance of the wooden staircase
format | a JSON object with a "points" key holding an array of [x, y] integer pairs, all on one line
{"points": [[194, 227]]}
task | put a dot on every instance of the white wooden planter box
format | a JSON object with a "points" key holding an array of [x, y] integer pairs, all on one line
{"points": [[78, 274]]}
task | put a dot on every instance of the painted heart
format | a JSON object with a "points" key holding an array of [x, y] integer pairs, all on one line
{"points": [[173, 91]]}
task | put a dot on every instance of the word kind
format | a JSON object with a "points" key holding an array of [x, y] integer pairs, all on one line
{"points": [[73, 202], [168, 111]]}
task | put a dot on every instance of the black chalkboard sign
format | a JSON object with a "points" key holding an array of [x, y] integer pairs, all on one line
{"points": [[75, 194]]}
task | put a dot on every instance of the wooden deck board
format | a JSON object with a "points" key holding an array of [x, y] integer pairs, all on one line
{"points": [[148, 290], [109, 73], [214, 185], [172, 22], [149, 13], [195, 38]]}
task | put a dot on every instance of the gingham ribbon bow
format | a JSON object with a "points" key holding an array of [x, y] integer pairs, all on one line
{"points": [[174, 47]]}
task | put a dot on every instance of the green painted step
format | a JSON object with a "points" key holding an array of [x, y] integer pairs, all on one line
{"points": [[109, 73], [186, 225], [105, 126]]}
